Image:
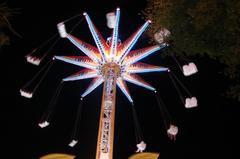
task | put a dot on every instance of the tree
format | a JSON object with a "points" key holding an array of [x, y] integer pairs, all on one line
{"points": [[202, 27], [5, 14]]}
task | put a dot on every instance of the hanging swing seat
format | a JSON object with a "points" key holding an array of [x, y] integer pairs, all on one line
{"points": [[33, 60], [172, 132], [62, 30], [111, 20], [73, 143], [43, 124], [26, 93], [191, 102], [189, 69], [161, 35], [141, 146]]}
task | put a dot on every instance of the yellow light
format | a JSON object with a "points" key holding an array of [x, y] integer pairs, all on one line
{"points": [[57, 156], [145, 155]]}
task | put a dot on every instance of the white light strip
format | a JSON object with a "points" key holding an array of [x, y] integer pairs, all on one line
{"points": [[132, 42], [80, 77], [134, 81], [75, 62], [146, 70], [113, 49], [79, 44], [124, 90], [96, 37], [94, 84]]}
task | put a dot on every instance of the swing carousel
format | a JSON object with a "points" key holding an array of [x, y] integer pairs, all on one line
{"points": [[112, 63]]}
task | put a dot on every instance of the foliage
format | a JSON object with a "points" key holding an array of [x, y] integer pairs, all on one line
{"points": [[5, 26], [202, 27]]}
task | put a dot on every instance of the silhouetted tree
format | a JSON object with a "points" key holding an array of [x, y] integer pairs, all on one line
{"points": [[202, 27], [5, 26]]}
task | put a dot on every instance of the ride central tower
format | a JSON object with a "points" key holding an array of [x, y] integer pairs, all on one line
{"points": [[107, 116]]}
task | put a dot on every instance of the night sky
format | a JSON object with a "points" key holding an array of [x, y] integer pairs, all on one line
{"points": [[204, 132]]}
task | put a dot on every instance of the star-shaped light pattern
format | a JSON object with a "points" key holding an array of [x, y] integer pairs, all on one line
{"points": [[111, 52]]}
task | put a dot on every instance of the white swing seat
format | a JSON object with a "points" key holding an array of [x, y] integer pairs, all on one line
{"points": [[173, 130], [26, 94], [73, 143], [43, 124], [33, 60], [189, 69], [141, 146], [161, 35], [62, 30], [111, 20], [191, 102]]}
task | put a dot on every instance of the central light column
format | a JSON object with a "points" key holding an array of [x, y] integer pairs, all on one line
{"points": [[106, 123]]}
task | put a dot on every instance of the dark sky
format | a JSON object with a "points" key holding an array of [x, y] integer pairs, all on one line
{"points": [[204, 132]]}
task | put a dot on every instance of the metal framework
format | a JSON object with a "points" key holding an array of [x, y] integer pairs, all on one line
{"points": [[110, 63]]}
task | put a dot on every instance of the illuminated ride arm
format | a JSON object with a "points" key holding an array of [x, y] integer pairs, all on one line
{"points": [[135, 79], [86, 48], [144, 68], [123, 86], [137, 55], [114, 39], [94, 84], [100, 42], [82, 61], [83, 74], [130, 42]]}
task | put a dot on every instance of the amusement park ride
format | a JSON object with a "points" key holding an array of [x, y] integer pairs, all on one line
{"points": [[112, 63]]}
